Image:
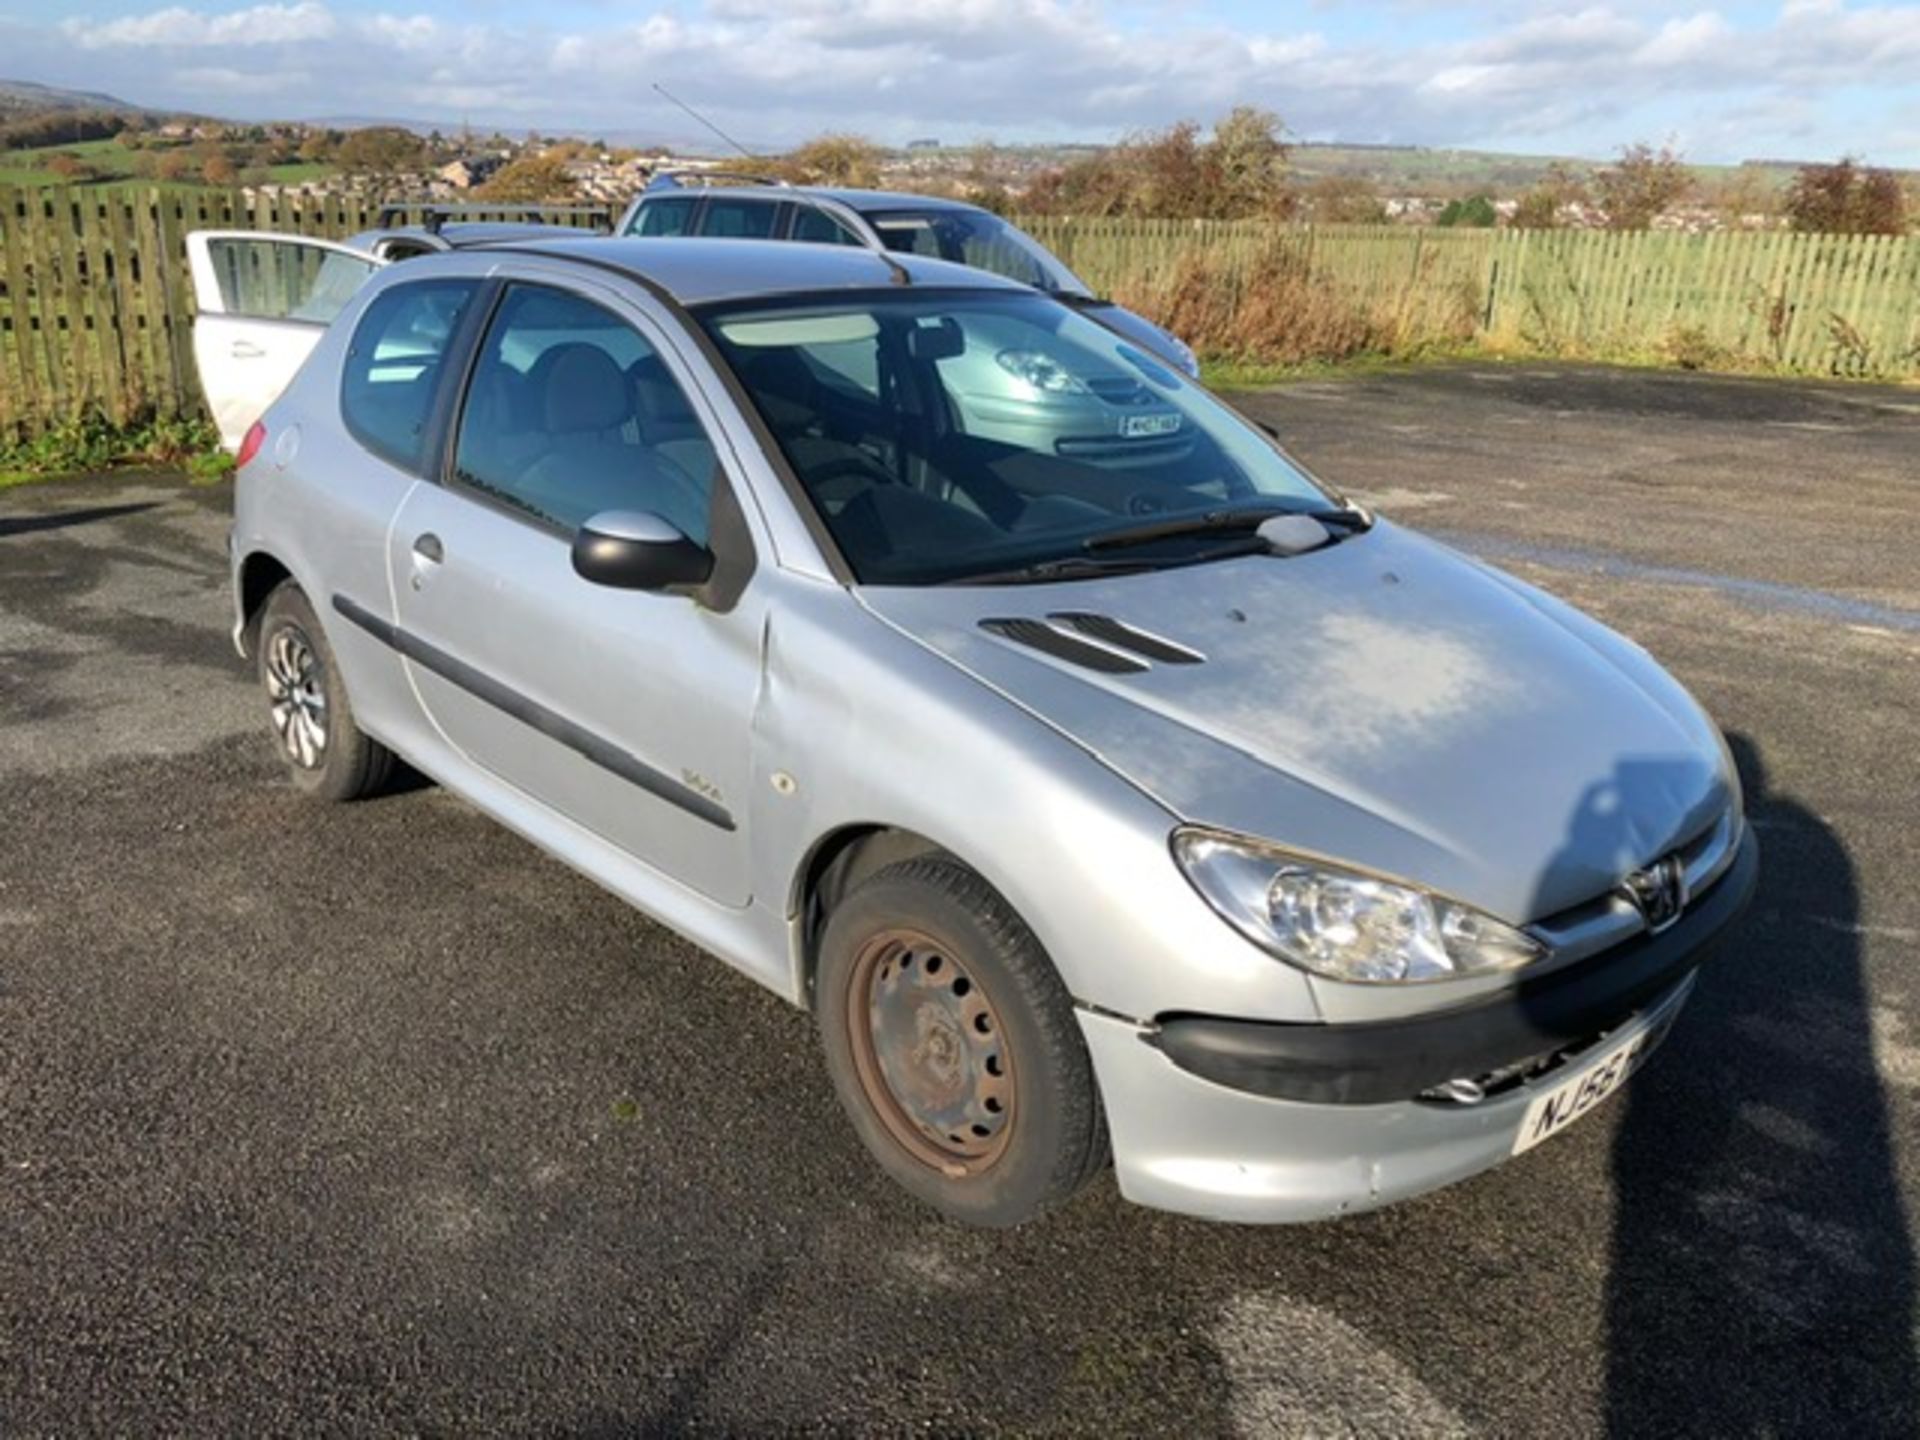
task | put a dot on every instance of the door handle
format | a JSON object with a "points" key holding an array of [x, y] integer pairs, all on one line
{"points": [[427, 555], [245, 350]]}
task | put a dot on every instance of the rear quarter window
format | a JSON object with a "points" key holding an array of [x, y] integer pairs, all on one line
{"points": [[663, 217], [393, 366]]}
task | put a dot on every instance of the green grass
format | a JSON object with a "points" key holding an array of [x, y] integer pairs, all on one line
{"points": [[90, 442], [115, 162]]}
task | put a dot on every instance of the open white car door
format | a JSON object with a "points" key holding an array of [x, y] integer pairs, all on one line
{"points": [[264, 301]]}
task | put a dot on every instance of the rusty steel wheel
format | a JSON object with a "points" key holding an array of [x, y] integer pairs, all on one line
{"points": [[953, 1044], [930, 1051]]}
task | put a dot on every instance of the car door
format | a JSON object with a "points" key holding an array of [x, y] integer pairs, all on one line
{"points": [[628, 712], [738, 217], [264, 301]]}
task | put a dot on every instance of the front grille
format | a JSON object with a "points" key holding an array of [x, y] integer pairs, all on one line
{"points": [[1119, 390], [1607, 919]]}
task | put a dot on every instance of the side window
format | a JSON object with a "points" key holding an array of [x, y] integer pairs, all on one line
{"points": [[664, 217], [571, 412], [281, 279], [738, 219], [393, 366], [908, 234], [821, 228]]}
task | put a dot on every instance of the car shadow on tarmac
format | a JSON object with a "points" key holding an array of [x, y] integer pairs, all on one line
{"points": [[1762, 1276]]}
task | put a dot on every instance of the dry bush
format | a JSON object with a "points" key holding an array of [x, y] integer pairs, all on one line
{"points": [[1237, 172], [1845, 198], [1276, 310]]}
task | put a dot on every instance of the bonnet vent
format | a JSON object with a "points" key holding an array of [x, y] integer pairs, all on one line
{"points": [[1116, 632], [1094, 642]]}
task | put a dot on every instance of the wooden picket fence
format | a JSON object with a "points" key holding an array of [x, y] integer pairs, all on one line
{"points": [[1829, 305], [96, 306]]}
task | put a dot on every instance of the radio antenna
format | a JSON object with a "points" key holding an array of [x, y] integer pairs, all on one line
{"points": [[704, 121]]}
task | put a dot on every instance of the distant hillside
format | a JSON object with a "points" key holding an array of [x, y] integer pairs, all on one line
{"points": [[24, 97], [1416, 169]]}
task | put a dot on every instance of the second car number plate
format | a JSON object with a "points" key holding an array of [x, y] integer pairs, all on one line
{"points": [[1135, 427]]}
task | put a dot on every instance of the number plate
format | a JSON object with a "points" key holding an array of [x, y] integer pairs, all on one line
{"points": [[1556, 1109], [1135, 427]]}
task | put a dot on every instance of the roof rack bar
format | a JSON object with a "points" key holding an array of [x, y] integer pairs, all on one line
{"points": [[675, 177], [434, 214]]}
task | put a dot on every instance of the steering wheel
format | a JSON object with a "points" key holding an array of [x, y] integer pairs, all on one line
{"points": [[819, 479], [1161, 499], [1158, 501]]}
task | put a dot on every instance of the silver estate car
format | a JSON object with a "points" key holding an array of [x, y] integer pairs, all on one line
{"points": [[1182, 814], [722, 205]]}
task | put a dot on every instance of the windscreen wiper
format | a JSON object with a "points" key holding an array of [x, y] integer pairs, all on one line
{"points": [[1250, 517], [1072, 567]]}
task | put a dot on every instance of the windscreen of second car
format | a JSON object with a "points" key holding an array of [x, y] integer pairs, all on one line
{"points": [[950, 436], [977, 238]]}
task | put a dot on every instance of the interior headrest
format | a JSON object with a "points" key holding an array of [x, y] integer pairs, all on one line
{"points": [[585, 390]]}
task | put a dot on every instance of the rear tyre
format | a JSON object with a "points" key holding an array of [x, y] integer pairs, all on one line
{"points": [[953, 1047], [325, 752]]}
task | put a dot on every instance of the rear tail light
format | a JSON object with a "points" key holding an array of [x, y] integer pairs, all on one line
{"points": [[250, 446]]}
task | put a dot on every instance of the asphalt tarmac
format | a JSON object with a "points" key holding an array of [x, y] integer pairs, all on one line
{"points": [[372, 1118]]}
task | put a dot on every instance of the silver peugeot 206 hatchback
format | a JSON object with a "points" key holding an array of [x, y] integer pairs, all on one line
{"points": [[1149, 805]]}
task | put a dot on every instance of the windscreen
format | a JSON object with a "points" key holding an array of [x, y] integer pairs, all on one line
{"points": [[977, 238], [956, 435]]}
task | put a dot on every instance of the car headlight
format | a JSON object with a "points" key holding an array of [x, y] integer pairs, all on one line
{"points": [[1043, 372], [1344, 924]]}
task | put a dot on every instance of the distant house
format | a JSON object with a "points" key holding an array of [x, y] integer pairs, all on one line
{"points": [[469, 170]]}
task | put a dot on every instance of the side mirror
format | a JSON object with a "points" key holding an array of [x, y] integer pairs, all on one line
{"points": [[637, 550], [944, 340]]}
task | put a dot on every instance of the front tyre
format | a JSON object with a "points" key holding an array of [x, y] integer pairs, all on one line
{"points": [[325, 752], [952, 1043]]}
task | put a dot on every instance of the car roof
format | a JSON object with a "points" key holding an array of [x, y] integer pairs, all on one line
{"points": [[859, 200], [455, 234], [695, 271]]}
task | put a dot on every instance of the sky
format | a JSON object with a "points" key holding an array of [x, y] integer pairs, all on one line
{"points": [[1804, 79]]}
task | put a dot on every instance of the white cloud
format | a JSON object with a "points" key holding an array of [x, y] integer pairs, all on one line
{"points": [[1682, 42], [178, 26], [778, 69]]}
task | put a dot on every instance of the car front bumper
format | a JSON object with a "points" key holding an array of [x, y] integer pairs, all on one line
{"points": [[1268, 1123]]}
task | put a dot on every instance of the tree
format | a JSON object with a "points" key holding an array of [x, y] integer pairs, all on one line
{"points": [[1641, 185], [218, 169], [380, 150], [1846, 199], [1476, 212], [1539, 208], [69, 166], [1344, 200], [832, 160], [530, 180], [1251, 161], [1238, 171], [317, 147], [173, 165]]}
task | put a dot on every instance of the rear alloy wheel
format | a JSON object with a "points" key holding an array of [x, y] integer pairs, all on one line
{"points": [[952, 1043], [325, 752]]}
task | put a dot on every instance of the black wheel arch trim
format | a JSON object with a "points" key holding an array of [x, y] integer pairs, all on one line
{"points": [[530, 712], [1387, 1061]]}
